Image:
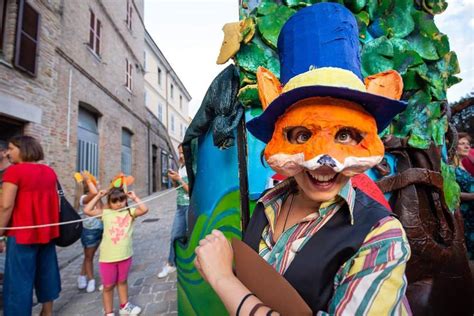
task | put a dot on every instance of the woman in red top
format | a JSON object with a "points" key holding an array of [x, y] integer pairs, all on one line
{"points": [[29, 198]]}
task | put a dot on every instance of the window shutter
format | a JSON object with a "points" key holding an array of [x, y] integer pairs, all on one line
{"points": [[91, 31], [3, 10], [97, 40], [126, 72], [130, 75], [26, 46], [130, 17]]}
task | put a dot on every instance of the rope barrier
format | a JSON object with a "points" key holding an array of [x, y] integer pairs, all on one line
{"points": [[88, 217]]}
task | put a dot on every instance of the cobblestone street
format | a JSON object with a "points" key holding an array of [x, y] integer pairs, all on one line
{"points": [[151, 242]]}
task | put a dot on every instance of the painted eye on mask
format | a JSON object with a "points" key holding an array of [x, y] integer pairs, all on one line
{"points": [[298, 134], [348, 136]]}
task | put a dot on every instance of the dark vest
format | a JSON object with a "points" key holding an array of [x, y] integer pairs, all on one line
{"points": [[314, 268]]}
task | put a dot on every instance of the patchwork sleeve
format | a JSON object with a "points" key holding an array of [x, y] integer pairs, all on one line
{"points": [[373, 281]]}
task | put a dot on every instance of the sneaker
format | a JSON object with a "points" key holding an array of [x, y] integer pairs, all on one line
{"points": [[90, 286], [110, 314], [167, 269], [101, 287], [130, 309], [81, 282]]}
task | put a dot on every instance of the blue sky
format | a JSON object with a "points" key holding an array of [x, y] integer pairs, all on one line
{"points": [[189, 33], [458, 23]]}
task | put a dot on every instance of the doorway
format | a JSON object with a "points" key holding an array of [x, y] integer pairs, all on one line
{"points": [[10, 127]]}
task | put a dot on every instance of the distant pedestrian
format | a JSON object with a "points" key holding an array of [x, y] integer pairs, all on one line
{"points": [[180, 218], [115, 256], [30, 197], [91, 232], [466, 184], [468, 162]]}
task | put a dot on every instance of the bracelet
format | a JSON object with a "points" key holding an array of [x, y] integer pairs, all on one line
{"points": [[242, 303], [255, 309]]}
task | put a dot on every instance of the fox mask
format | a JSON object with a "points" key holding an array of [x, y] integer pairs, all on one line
{"points": [[329, 132], [325, 131]]}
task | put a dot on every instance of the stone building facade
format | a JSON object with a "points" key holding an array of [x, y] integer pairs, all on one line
{"points": [[165, 94], [83, 96]]}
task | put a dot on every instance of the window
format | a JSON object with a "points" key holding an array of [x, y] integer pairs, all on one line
{"points": [[87, 142], [181, 129], [126, 160], [128, 75], [159, 76], [94, 34], [3, 15], [144, 60], [154, 169], [164, 169], [172, 91], [145, 97], [180, 102], [27, 38], [160, 112], [129, 14], [172, 122]]}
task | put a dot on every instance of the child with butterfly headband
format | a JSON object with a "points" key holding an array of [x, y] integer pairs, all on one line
{"points": [[92, 229], [115, 257]]}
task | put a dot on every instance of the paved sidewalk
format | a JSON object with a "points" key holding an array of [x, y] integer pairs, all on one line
{"points": [[151, 242]]}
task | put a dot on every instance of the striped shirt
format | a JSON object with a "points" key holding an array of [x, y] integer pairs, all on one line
{"points": [[372, 282]]}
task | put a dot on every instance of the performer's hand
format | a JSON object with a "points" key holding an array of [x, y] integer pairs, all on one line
{"points": [[214, 257]]}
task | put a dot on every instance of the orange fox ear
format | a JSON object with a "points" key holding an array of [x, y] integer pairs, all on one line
{"points": [[388, 84], [269, 87]]}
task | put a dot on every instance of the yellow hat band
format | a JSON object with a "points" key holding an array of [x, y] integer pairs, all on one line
{"points": [[327, 76]]}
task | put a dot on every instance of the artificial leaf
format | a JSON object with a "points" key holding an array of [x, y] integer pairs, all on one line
{"points": [[247, 29], [267, 7], [248, 95], [270, 25], [377, 56], [355, 5], [434, 6], [250, 57], [451, 188], [423, 46]]}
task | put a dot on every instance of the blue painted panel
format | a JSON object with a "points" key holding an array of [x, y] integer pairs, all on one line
{"points": [[217, 173], [258, 174]]}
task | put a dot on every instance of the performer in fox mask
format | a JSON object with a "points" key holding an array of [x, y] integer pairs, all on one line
{"points": [[340, 249]]}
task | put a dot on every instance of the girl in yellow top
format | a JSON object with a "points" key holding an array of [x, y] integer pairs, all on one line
{"points": [[116, 252]]}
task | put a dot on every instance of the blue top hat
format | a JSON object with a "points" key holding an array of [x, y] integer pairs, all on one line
{"points": [[319, 56]]}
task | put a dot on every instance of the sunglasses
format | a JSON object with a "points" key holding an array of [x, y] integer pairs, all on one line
{"points": [[118, 199]]}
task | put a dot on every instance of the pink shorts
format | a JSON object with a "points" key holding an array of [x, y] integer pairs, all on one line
{"points": [[113, 272]]}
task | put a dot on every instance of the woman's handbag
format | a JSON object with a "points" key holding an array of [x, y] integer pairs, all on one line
{"points": [[69, 233]]}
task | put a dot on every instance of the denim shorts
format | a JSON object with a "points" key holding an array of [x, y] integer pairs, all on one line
{"points": [[28, 267], [91, 238]]}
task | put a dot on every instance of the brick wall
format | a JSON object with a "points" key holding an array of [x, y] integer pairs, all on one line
{"points": [[69, 74]]}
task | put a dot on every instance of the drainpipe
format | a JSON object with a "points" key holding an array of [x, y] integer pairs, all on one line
{"points": [[68, 131], [167, 103], [150, 161]]}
